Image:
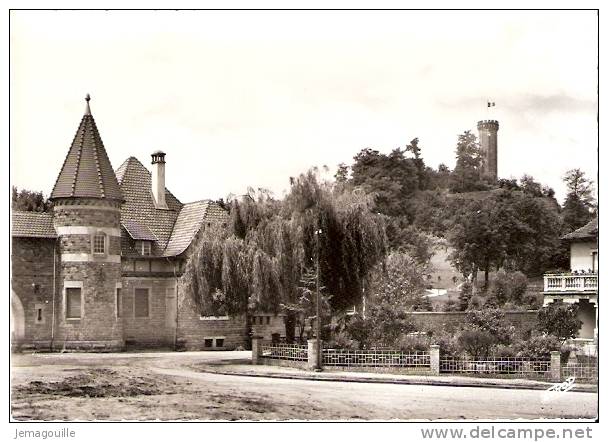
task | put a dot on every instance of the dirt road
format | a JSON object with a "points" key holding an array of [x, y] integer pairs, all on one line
{"points": [[167, 386]]}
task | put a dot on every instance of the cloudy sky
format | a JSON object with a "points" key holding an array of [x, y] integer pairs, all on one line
{"points": [[244, 98]]}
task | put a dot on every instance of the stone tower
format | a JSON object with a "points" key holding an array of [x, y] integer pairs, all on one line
{"points": [[86, 217], [488, 138]]}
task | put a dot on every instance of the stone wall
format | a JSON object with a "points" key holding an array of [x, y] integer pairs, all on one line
{"points": [[32, 285], [192, 330], [450, 321], [158, 328]]}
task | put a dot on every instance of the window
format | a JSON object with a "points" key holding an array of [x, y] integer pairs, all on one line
{"points": [[118, 303], [73, 303], [267, 320], [219, 342], [99, 243], [144, 247], [208, 343], [140, 301]]}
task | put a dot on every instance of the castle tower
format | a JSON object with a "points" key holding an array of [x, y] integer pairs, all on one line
{"points": [[86, 217], [488, 138]]}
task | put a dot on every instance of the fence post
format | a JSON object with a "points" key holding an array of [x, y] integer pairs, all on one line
{"points": [[314, 360], [256, 350], [434, 354], [556, 369]]}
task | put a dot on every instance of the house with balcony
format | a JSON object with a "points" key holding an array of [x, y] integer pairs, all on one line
{"points": [[580, 284]]}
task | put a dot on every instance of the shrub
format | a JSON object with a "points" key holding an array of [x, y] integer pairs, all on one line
{"points": [[413, 343], [504, 351], [466, 290], [448, 345], [509, 287], [477, 343], [538, 347], [343, 340], [559, 320], [492, 321]]}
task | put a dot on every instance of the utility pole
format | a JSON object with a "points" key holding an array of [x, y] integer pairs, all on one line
{"points": [[318, 325]]}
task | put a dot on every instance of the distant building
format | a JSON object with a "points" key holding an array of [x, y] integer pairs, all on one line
{"points": [[488, 140], [580, 285], [102, 271]]}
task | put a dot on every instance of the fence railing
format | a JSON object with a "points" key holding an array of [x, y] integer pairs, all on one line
{"points": [[511, 367], [375, 358], [289, 352], [580, 371]]}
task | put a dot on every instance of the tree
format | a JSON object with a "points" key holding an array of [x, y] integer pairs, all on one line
{"points": [[418, 162], [465, 295], [580, 203], [391, 178], [258, 262], [467, 173], [30, 201], [398, 282], [560, 321], [341, 175], [503, 229]]}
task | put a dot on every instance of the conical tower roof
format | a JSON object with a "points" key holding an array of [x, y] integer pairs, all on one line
{"points": [[87, 171]]}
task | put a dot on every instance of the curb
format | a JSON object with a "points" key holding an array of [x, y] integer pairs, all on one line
{"points": [[430, 382]]}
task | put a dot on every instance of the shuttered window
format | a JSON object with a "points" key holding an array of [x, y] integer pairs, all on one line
{"points": [[73, 300], [141, 303]]}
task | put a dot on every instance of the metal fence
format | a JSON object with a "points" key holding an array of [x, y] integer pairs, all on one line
{"points": [[580, 371], [509, 367], [289, 352], [375, 358]]}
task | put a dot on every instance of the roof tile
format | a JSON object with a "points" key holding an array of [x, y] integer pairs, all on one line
{"points": [[32, 225]]}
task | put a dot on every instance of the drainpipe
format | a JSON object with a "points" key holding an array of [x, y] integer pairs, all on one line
{"points": [[176, 304], [54, 292]]}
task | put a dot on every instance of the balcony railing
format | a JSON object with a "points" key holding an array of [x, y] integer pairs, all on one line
{"points": [[571, 283]]}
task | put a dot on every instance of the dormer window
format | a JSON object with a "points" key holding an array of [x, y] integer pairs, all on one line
{"points": [[144, 247], [99, 243]]}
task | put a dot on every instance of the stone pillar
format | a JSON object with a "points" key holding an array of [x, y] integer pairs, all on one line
{"points": [[434, 353], [256, 350], [314, 347], [556, 369]]}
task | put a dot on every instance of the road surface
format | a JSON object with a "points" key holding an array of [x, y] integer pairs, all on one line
{"points": [[167, 386]]}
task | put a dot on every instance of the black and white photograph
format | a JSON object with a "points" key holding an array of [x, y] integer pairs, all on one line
{"points": [[303, 216]]}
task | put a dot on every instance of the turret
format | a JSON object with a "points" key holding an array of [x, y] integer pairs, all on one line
{"points": [[488, 139]]}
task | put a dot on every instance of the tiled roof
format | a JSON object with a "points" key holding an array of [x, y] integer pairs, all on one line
{"points": [[136, 185], [173, 229], [588, 231], [138, 231], [87, 171], [189, 222], [32, 225]]}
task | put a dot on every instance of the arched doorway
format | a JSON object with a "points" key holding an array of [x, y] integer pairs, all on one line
{"points": [[17, 319]]}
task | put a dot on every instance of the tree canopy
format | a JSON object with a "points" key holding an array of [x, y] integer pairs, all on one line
{"points": [[259, 261], [30, 201]]}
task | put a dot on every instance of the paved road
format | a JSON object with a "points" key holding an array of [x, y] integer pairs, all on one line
{"points": [[188, 394]]}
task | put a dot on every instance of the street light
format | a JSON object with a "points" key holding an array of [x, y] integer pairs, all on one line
{"points": [[319, 349]]}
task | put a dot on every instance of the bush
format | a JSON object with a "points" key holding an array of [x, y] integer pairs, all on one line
{"points": [[448, 345], [413, 343], [477, 343], [343, 340], [492, 321], [509, 287], [464, 297], [538, 347], [559, 320]]}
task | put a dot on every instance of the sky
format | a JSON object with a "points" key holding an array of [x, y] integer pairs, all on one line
{"points": [[242, 99]]}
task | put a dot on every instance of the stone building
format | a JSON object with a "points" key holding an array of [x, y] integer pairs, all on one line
{"points": [[102, 270], [488, 140]]}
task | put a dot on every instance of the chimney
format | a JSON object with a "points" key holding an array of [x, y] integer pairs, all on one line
{"points": [[158, 179]]}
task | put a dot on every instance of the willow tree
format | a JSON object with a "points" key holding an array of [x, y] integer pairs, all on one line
{"points": [[258, 262]]}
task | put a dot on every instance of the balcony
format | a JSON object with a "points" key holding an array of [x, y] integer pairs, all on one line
{"points": [[571, 283]]}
